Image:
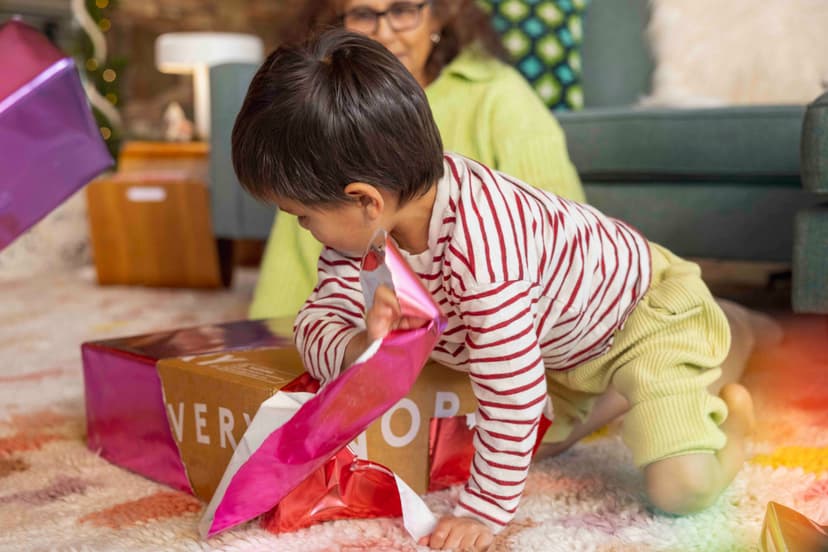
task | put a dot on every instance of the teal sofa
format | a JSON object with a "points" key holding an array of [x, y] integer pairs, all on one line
{"points": [[734, 183], [722, 183]]}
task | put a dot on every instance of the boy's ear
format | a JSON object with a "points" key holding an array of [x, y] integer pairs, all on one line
{"points": [[368, 197]]}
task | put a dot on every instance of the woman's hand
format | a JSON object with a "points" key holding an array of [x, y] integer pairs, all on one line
{"points": [[459, 533]]}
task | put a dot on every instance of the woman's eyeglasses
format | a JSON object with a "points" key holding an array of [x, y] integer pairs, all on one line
{"points": [[401, 16]]}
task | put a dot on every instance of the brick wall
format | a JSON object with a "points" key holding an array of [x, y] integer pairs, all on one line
{"points": [[137, 23]]}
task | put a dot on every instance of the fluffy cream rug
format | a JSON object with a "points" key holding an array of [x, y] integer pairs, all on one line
{"points": [[55, 494], [59, 241], [738, 52]]}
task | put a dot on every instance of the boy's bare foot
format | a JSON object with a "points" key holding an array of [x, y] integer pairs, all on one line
{"points": [[740, 420]]}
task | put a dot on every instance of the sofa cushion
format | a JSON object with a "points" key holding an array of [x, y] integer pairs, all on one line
{"points": [[544, 39], [749, 144]]}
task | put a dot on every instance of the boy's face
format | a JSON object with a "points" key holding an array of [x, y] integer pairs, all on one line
{"points": [[405, 29], [344, 227]]}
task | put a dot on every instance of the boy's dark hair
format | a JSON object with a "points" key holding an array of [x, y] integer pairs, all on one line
{"points": [[339, 109]]}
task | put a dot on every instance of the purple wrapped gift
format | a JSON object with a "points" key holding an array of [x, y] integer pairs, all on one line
{"points": [[50, 145], [126, 421]]}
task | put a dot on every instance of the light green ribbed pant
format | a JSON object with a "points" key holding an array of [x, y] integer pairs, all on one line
{"points": [[662, 361]]}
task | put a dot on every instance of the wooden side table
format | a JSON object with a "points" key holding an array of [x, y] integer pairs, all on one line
{"points": [[150, 222]]}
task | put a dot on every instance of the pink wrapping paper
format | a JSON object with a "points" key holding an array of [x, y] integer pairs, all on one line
{"points": [[126, 420], [50, 145], [24, 54], [336, 415]]}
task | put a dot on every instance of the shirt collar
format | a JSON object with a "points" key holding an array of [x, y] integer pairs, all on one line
{"points": [[472, 64]]}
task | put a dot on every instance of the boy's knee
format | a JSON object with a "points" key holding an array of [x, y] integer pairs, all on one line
{"points": [[682, 484]]}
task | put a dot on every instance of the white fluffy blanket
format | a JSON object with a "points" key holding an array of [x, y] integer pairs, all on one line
{"points": [[738, 52]]}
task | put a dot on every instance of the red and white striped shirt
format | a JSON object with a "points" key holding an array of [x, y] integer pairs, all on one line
{"points": [[529, 282]]}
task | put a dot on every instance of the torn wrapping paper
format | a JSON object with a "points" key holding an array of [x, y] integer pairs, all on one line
{"points": [[344, 487], [264, 472], [50, 145], [130, 424], [451, 448], [786, 530], [173, 405]]}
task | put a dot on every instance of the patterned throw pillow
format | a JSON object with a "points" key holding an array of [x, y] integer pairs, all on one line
{"points": [[544, 39]]}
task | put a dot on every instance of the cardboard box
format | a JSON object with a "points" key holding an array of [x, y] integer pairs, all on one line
{"points": [[211, 399], [399, 439], [154, 229], [127, 420], [207, 408], [50, 145], [172, 406]]}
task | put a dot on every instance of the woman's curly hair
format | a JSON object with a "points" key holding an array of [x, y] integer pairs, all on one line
{"points": [[462, 23]]}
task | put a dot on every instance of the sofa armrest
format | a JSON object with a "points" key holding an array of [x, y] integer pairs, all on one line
{"points": [[719, 183], [815, 146]]}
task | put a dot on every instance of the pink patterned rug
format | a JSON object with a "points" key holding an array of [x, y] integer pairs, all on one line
{"points": [[55, 494]]}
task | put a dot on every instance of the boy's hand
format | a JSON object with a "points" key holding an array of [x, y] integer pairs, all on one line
{"points": [[385, 315], [460, 534]]}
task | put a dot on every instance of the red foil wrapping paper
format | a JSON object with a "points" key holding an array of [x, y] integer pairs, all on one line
{"points": [[451, 450], [345, 487]]}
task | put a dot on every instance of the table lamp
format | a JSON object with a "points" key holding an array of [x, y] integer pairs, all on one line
{"points": [[194, 53]]}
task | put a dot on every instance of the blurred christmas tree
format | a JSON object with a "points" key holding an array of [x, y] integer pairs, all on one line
{"points": [[102, 74]]}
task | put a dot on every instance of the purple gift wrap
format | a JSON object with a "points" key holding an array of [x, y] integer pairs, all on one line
{"points": [[125, 414], [50, 145]]}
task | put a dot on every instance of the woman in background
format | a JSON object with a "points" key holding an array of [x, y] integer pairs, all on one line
{"points": [[483, 108]]}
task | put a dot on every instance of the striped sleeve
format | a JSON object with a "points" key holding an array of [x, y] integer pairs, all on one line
{"points": [[331, 317], [509, 381]]}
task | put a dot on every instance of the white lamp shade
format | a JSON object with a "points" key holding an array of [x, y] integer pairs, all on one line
{"points": [[181, 52]]}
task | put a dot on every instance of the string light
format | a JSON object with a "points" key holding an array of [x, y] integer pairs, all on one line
{"points": [[102, 86]]}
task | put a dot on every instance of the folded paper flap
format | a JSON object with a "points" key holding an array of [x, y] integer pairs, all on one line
{"points": [[374, 272], [205, 339], [24, 54], [271, 415], [272, 367]]}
